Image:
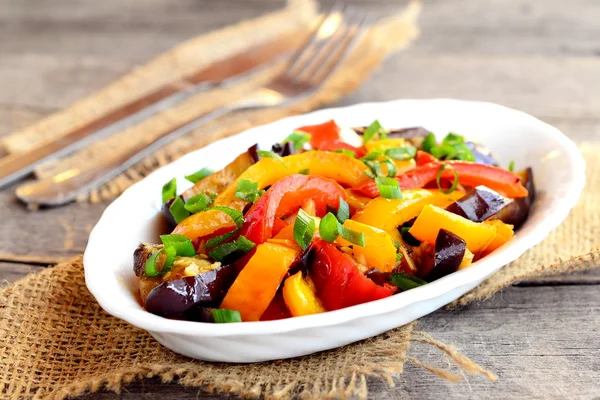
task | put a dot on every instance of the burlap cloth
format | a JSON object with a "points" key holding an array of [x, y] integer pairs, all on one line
{"points": [[55, 341]]}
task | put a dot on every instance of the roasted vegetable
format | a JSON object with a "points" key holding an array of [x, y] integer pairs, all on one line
{"points": [[175, 297], [482, 154], [338, 281], [283, 150], [256, 285], [479, 204], [141, 254], [220, 180], [449, 253], [516, 213], [432, 219], [284, 198], [300, 297], [470, 174]]}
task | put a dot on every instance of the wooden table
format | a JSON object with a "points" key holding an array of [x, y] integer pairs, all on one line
{"points": [[542, 57]]}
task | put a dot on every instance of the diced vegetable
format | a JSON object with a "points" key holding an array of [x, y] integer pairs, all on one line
{"points": [[432, 219], [300, 297], [504, 232], [479, 204], [338, 281], [379, 250], [256, 285], [517, 212], [449, 252], [467, 259]]}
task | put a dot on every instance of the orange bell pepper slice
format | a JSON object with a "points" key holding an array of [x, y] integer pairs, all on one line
{"points": [[388, 214], [432, 219], [379, 250], [343, 169], [300, 296], [504, 233], [256, 285], [204, 224]]}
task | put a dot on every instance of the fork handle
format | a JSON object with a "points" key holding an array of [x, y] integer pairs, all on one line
{"points": [[68, 185]]}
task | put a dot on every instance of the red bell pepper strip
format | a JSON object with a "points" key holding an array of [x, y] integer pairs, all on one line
{"points": [[469, 174], [338, 281], [326, 136], [422, 158], [284, 198]]}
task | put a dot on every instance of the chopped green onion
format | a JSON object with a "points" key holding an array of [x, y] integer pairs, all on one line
{"points": [[198, 203], [375, 129], [401, 153], [388, 187], [298, 139], [248, 191], [182, 245], [373, 155], [152, 261], [429, 143], [178, 210], [370, 174], [346, 152], [397, 245], [442, 151], [376, 170], [343, 212], [224, 316], [398, 257], [238, 219], [462, 153], [199, 175], [328, 228], [241, 245], [511, 166], [357, 238], [304, 171], [406, 281], [390, 167], [270, 154], [169, 190], [304, 229], [439, 177], [408, 238], [453, 139]]}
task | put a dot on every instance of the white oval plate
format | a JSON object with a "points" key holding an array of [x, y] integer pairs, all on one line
{"points": [[134, 217]]}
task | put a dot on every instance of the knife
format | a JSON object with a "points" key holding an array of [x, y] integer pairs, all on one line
{"points": [[227, 72]]}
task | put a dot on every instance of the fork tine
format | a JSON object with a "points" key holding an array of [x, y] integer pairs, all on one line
{"points": [[318, 35], [331, 61]]}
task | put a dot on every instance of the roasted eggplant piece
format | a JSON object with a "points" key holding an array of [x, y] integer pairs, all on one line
{"points": [[220, 180], [409, 133], [449, 252], [517, 212], [482, 154], [141, 254], [479, 204], [175, 297], [283, 150]]}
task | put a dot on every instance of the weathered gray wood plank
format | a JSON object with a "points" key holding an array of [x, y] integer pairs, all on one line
{"points": [[11, 272]]}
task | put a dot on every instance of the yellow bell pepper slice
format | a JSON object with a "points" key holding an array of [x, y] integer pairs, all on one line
{"points": [[379, 250], [345, 170], [467, 259], [401, 165], [300, 296], [504, 233], [256, 286], [388, 214], [432, 219]]}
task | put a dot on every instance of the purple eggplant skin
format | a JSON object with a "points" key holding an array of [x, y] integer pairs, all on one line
{"points": [[449, 252], [479, 204], [171, 224], [199, 314], [482, 154], [378, 277], [174, 298], [516, 213], [283, 150], [409, 133]]}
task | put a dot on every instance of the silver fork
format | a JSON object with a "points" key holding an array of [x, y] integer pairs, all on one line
{"points": [[305, 73]]}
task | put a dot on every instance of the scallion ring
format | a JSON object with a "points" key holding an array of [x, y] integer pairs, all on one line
{"points": [[224, 316], [388, 187], [178, 210], [328, 228], [304, 229], [439, 177], [199, 175], [241, 245]]}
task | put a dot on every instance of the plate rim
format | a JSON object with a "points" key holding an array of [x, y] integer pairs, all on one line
{"points": [[483, 268]]}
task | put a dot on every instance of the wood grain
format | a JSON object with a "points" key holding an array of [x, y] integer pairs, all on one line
{"points": [[542, 57]]}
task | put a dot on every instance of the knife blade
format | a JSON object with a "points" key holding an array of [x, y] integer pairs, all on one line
{"points": [[225, 72]]}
